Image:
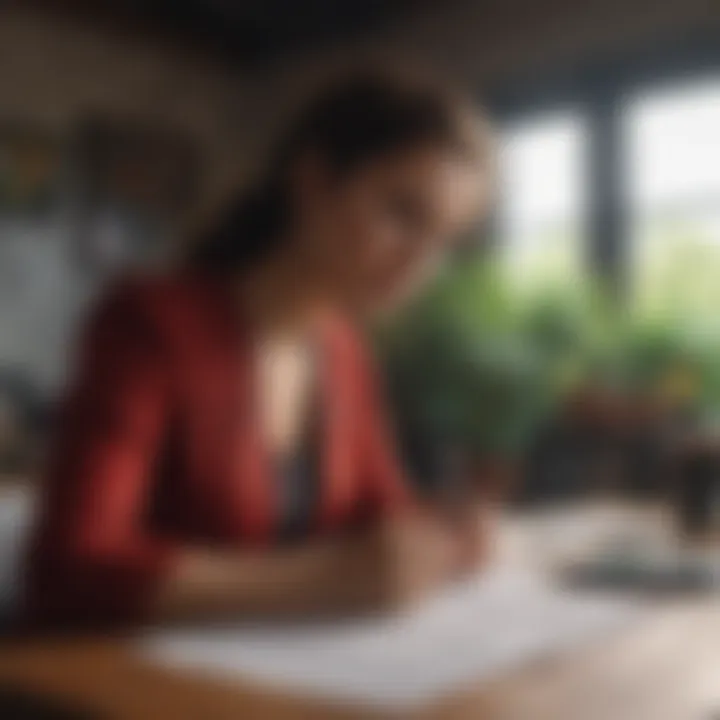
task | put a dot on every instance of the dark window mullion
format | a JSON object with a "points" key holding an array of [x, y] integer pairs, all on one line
{"points": [[608, 211]]}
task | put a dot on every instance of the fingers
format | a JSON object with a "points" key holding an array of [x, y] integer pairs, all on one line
{"points": [[420, 555]]}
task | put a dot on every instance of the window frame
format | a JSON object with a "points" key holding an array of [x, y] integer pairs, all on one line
{"points": [[598, 92]]}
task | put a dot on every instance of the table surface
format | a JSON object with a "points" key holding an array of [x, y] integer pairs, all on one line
{"points": [[665, 667]]}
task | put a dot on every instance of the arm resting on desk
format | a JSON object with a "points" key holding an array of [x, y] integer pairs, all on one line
{"points": [[94, 562]]}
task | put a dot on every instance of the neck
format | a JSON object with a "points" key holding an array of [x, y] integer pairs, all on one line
{"points": [[279, 295]]}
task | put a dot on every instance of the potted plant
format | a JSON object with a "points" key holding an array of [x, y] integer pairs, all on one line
{"points": [[468, 383]]}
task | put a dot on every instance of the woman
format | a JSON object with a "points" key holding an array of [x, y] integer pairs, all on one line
{"points": [[222, 450]]}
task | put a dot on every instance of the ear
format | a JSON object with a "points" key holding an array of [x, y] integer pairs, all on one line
{"points": [[310, 178]]}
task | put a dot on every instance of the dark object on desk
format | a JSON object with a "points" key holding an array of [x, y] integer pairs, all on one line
{"points": [[22, 705], [617, 573], [698, 489]]}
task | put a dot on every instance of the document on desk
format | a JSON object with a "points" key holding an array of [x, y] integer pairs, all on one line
{"points": [[476, 630]]}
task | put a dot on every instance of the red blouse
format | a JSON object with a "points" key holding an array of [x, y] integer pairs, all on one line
{"points": [[158, 448]]}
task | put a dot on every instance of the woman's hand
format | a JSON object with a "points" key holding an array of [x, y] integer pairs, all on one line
{"points": [[400, 561], [476, 528], [386, 567]]}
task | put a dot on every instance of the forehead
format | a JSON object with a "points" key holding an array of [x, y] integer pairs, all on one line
{"points": [[444, 179]]}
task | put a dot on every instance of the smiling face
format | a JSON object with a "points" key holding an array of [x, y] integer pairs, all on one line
{"points": [[373, 236]]}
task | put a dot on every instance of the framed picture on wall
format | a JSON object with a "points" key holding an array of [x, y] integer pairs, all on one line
{"points": [[133, 183], [30, 168]]}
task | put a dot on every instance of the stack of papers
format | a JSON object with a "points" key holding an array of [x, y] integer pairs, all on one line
{"points": [[483, 627]]}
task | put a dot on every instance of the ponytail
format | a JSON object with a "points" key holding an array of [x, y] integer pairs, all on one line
{"points": [[250, 230], [359, 118]]}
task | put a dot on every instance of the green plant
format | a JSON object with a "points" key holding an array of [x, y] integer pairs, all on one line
{"points": [[464, 370], [479, 365]]}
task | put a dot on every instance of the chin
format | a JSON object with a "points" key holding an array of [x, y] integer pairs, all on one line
{"points": [[364, 308], [385, 306], [377, 303]]}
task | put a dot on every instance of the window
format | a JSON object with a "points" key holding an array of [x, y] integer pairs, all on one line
{"points": [[543, 203], [673, 157]]}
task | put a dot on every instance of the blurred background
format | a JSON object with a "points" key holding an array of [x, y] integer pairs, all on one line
{"points": [[571, 351], [567, 359]]}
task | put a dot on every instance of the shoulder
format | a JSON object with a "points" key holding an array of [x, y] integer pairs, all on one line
{"points": [[141, 313], [159, 301], [141, 293]]}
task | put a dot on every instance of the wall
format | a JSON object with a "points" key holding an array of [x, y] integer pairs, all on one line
{"points": [[52, 71], [494, 41]]}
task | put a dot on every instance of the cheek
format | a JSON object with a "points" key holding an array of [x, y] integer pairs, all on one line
{"points": [[394, 267], [406, 277], [387, 257], [372, 254], [363, 242]]}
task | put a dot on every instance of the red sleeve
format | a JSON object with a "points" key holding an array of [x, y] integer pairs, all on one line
{"points": [[383, 475], [93, 561]]}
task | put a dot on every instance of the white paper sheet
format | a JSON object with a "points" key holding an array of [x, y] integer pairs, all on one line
{"points": [[481, 628]]}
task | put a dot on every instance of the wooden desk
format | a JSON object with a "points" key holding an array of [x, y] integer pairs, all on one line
{"points": [[665, 667]]}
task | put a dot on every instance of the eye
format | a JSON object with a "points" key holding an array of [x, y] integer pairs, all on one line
{"points": [[407, 209]]}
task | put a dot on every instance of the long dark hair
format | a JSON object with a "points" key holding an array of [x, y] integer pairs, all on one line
{"points": [[355, 119]]}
